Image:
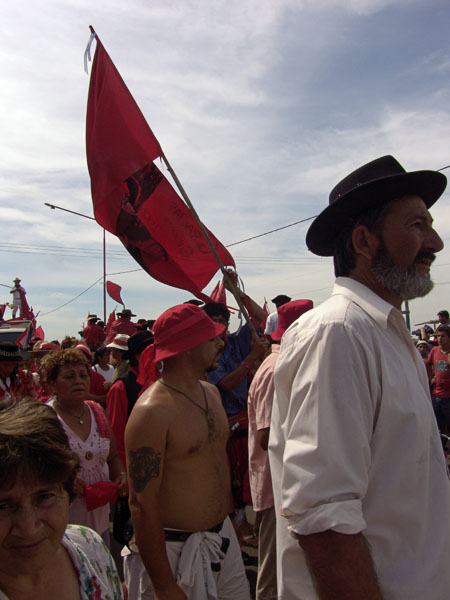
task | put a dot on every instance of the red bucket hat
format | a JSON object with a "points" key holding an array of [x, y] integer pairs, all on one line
{"points": [[287, 314], [177, 330]]}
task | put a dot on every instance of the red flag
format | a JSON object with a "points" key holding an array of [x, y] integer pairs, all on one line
{"points": [[22, 339], [266, 312], [111, 319], [131, 197], [39, 333], [114, 291], [219, 294]]}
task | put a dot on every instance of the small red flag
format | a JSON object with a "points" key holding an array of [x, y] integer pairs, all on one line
{"points": [[114, 291], [111, 319], [266, 312], [131, 197], [218, 294], [39, 333]]}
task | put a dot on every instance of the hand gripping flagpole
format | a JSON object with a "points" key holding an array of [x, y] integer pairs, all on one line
{"points": [[232, 287]]}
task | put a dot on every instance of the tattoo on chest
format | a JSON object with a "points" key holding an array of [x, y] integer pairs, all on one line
{"points": [[144, 465]]}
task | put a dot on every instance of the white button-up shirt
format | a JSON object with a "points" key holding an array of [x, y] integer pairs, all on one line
{"points": [[354, 446]]}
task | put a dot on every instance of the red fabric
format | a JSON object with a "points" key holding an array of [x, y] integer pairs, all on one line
{"points": [[111, 319], [121, 325], [22, 340], [177, 330], [131, 197], [441, 372], [25, 311], [219, 294], [237, 451], [96, 386], [262, 326], [117, 408], [94, 334], [39, 333], [100, 417], [114, 291], [100, 493]]}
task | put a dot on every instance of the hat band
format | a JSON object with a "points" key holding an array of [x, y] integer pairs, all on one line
{"points": [[10, 354]]}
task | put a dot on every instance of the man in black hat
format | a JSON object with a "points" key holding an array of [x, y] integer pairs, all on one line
{"points": [[122, 324], [362, 492]]}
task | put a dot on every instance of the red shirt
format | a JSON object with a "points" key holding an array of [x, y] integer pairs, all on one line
{"points": [[120, 326], [93, 334], [441, 372], [96, 386]]}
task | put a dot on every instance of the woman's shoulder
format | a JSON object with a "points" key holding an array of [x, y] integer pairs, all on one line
{"points": [[93, 562], [83, 535]]}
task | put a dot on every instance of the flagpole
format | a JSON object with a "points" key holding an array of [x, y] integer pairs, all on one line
{"points": [[233, 288]]}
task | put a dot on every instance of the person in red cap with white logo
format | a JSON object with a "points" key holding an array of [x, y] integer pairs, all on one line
{"points": [[180, 493]]}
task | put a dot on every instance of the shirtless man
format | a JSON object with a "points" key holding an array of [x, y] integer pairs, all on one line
{"points": [[180, 484]]}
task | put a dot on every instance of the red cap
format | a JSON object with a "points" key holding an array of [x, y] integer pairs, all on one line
{"points": [[177, 330], [84, 348], [287, 314]]}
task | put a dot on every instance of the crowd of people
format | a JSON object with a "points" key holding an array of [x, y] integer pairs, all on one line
{"points": [[325, 420]]}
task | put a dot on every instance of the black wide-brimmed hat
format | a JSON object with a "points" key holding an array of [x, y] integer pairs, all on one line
{"points": [[10, 352], [375, 183]]}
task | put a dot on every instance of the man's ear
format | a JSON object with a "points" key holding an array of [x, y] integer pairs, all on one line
{"points": [[364, 242]]}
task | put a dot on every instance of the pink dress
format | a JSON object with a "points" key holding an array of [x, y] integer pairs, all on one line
{"points": [[93, 453]]}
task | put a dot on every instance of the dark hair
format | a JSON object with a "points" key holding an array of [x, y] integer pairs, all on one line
{"points": [[216, 309], [52, 363], [99, 353], [443, 329], [33, 444], [444, 313], [344, 257]]}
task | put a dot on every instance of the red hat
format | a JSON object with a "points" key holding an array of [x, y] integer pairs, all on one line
{"points": [[84, 348], [287, 314], [177, 330]]}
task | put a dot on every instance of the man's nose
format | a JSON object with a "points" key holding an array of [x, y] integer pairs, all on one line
{"points": [[434, 241]]}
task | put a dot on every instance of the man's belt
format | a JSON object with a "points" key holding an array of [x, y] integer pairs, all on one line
{"points": [[174, 535]]}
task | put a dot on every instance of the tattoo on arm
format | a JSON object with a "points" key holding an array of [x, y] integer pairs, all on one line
{"points": [[144, 465]]}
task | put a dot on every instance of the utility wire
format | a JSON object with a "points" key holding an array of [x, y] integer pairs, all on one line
{"points": [[69, 301]]}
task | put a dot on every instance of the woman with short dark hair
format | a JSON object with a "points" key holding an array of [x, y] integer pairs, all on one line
{"points": [[40, 554]]}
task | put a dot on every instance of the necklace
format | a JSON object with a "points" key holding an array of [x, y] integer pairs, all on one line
{"points": [[212, 433], [79, 419]]}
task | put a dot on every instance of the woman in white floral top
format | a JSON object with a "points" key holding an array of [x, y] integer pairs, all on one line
{"points": [[41, 556]]}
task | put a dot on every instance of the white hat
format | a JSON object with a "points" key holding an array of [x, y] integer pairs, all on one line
{"points": [[120, 342]]}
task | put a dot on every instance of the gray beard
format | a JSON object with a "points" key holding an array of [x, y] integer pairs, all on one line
{"points": [[406, 283]]}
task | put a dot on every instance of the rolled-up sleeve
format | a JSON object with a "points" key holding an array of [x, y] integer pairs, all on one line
{"points": [[327, 394]]}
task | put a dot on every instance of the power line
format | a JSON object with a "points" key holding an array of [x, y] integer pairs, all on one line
{"points": [[271, 231], [69, 301]]}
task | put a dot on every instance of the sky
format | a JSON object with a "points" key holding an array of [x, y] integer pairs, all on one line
{"points": [[261, 107]]}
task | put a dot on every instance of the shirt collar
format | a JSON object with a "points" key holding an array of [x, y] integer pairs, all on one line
{"points": [[371, 303]]}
